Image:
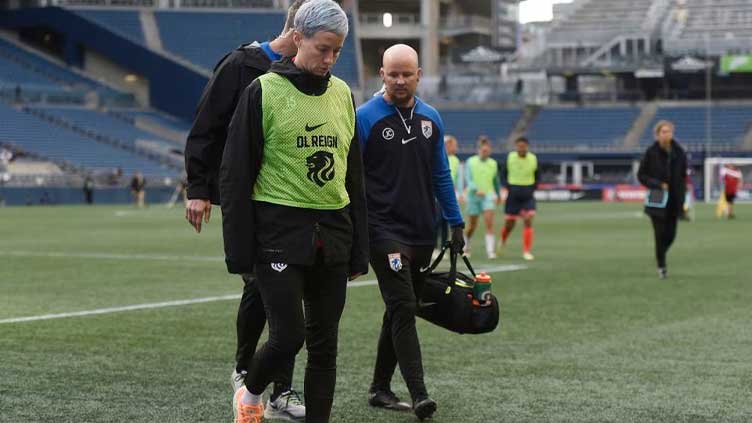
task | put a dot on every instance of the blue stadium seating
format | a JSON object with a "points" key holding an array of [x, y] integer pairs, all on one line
{"points": [[205, 37], [58, 144], [124, 22], [730, 123], [467, 125], [102, 124], [19, 66], [588, 126], [13, 73], [162, 119]]}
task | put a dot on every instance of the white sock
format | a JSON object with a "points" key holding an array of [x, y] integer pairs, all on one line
{"points": [[490, 240], [467, 242], [249, 398]]}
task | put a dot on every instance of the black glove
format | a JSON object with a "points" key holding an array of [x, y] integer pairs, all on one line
{"points": [[458, 239]]}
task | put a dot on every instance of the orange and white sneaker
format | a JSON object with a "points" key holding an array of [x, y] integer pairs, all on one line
{"points": [[246, 413]]}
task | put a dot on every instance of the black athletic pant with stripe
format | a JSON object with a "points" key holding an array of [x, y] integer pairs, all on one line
{"points": [[286, 289], [250, 325], [400, 289], [664, 230]]}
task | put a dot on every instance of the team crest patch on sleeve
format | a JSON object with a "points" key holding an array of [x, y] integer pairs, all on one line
{"points": [[395, 261], [427, 127], [279, 267]]}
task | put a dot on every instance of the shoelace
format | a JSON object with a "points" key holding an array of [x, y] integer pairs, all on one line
{"points": [[240, 376], [291, 397]]}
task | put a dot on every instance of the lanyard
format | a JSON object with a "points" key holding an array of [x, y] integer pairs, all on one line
{"points": [[404, 122]]}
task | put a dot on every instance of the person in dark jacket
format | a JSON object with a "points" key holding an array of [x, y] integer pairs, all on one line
{"points": [[403, 140], [294, 209], [203, 155], [663, 170]]}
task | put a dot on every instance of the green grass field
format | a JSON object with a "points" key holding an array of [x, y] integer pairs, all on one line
{"points": [[588, 332]]}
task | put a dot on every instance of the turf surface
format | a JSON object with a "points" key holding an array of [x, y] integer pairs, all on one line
{"points": [[589, 334]]}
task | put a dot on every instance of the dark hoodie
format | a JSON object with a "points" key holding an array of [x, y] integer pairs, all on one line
{"points": [[660, 166], [261, 232], [206, 140]]}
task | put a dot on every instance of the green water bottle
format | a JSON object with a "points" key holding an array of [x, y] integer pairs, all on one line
{"points": [[482, 290]]}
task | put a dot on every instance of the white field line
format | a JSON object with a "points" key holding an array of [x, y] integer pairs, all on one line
{"points": [[177, 303], [111, 256]]}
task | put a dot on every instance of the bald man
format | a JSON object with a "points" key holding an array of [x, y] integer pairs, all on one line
{"points": [[406, 171]]}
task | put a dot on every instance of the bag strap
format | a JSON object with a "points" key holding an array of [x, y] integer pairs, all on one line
{"points": [[452, 262]]}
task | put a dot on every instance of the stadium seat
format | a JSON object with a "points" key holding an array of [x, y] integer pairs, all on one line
{"points": [[467, 125], [102, 124], [729, 124], [58, 144], [124, 22], [590, 126], [205, 37]]}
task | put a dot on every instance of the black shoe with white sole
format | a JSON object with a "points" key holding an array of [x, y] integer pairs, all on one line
{"points": [[384, 398], [424, 408]]}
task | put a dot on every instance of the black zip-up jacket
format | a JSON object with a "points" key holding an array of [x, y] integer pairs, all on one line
{"points": [[659, 166], [206, 140], [261, 232]]}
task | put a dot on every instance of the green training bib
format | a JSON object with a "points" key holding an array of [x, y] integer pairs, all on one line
{"points": [[306, 143]]}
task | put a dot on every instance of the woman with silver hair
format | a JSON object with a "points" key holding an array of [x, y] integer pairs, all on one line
{"points": [[293, 204]]}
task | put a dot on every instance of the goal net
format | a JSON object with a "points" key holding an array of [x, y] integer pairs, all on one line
{"points": [[717, 167]]}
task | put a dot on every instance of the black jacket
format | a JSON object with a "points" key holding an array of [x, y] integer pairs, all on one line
{"points": [[206, 140], [260, 232], [658, 166]]}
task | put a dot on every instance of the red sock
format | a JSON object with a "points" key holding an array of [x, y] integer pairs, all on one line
{"points": [[527, 239], [504, 235]]}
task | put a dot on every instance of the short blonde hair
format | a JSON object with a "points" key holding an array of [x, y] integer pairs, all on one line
{"points": [[660, 125], [449, 138]]}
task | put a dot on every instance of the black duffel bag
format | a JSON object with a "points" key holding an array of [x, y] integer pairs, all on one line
{"points": [[447, 300]]}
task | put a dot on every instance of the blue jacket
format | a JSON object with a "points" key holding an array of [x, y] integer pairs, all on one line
{"points": [[406, 171]]}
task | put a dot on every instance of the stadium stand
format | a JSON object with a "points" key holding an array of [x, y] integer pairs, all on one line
{"points": [[589, 126], [53, 142], [20, 66], [101, 124], [725, 22], [594, 22], [124, 22], [161, 119], [467, 125], [729, 124], [205, 37]]}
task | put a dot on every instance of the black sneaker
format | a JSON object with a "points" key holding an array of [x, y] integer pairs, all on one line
{"points": [[386, 399], [425, 408]]}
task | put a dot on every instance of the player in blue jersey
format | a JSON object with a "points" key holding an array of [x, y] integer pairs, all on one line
{"points": [[406, 171]]}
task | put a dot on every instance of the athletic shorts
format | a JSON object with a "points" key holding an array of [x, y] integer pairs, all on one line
{"points": [[520, 200], [476, 204], [730, 198]]}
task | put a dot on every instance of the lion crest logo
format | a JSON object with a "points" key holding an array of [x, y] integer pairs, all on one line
{"points": [[320, 167]]}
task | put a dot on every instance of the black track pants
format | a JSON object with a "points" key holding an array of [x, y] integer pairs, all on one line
{"points": [[400, 289], [664, 229], [285, 289]]}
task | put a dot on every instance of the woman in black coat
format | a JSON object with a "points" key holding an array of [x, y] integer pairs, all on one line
{"points": [[663, 170]]}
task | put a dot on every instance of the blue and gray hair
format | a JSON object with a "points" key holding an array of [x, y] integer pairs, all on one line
{"points": [[321, 16]]}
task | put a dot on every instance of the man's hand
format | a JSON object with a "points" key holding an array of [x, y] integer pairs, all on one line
{"points": [[458, 240], [196, 211], [664, 185]]}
